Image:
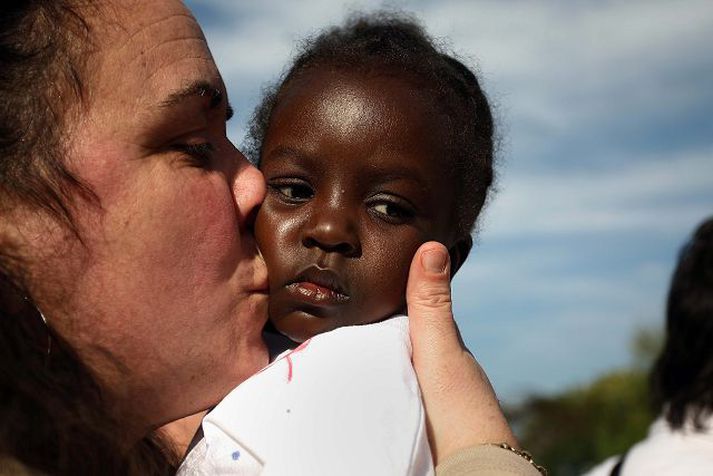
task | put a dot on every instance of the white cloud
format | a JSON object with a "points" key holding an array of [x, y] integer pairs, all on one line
{"points": [[652, 194], [265, 33], [561, 46]]}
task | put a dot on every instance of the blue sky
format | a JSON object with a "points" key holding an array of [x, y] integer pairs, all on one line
{"points": [[605, 113]]}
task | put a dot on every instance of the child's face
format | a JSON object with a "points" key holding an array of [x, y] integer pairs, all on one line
{"points": [[355, 185]]}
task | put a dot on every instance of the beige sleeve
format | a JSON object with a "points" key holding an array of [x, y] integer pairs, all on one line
{"points": [[485, 460], [9, 466]]}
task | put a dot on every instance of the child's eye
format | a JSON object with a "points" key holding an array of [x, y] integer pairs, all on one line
{"points": [[293, 190], [392, 209], [296, 192], [388, 209]]}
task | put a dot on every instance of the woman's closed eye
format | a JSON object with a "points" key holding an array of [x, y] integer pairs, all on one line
{"points": [[292, 190], [197, 154]]}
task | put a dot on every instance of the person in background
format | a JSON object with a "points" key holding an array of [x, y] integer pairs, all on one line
{"points": [[680, 441]]}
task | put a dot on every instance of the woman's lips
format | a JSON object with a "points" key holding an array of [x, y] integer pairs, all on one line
{"points": [[315, 294]]}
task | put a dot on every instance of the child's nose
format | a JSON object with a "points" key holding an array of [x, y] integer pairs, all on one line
{"points": [[333, 230]]}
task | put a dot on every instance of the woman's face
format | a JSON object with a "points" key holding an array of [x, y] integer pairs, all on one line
{"points": [[166, 297]]}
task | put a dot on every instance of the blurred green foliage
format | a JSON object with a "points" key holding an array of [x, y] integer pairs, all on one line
{"points": [[572, 431]]}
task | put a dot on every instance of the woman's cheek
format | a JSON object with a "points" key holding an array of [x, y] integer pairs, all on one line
{"points": [[210, 234]]}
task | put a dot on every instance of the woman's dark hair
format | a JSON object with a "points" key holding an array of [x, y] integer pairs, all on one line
{"points": [[52, 416], [396, 45], [41, 46], [53, 419], [682, 378]]}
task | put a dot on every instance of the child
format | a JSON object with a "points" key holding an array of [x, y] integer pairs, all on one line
{"points": [[373, 143]]}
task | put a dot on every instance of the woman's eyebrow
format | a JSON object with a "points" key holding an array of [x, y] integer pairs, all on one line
{"points": [[200, 88]]}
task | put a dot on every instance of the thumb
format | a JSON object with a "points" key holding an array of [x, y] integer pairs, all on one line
{"points": [[428, 298], [461, 407]]}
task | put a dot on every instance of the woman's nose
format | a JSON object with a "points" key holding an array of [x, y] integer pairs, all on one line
{"points": [[249, 191], [332, 229]]}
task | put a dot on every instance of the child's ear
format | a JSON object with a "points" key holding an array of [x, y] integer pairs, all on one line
{"points": [[459, 252]]}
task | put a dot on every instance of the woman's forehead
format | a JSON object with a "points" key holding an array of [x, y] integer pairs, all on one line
{"points": [[144, 51]]}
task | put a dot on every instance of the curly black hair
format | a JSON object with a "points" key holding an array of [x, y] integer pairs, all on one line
{"points": [[682, 378], [43, 46], [395, 44]]}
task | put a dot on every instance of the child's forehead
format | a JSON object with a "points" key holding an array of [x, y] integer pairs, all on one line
{"points": [[366, 86], [357, 102]]}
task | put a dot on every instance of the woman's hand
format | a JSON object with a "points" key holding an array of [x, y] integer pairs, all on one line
{"points": [[461, 407]]}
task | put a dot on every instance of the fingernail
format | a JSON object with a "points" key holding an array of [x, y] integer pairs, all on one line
{"points": [[434, 261]]}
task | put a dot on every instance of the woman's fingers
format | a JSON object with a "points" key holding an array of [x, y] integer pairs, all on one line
{"points": [[461, 407]]}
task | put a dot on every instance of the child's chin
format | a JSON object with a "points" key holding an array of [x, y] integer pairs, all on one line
{"points": [[300, 326]]}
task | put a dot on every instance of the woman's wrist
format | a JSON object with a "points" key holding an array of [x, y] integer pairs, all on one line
{"points": [[488, 459]]}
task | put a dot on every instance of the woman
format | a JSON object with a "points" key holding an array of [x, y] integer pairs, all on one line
{"points": [[127, 225], [680, 440]]}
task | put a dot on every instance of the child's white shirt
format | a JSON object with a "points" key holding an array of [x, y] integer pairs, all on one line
{"points": [[344, 402]]}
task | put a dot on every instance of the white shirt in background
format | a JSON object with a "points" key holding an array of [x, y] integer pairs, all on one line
{"points": [[685, 452]]}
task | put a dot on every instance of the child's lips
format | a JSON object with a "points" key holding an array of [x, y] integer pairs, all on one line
{"points": [[318, 286], [316, 294]]}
